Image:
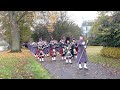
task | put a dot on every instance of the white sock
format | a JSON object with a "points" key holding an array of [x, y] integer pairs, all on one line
{"points": [[66, 61], [75, 56], [54, 58], [70, 61], [80, 66], [85, 65], [62, 58], [42, 59], [38, 58]]}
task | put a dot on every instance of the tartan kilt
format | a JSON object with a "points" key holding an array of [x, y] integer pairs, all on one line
{"points": [[51, 54], [76, 49], [61, 51], [37, 52]]}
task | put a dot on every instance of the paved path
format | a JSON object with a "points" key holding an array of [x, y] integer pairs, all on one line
{"points": [[60, 70]]}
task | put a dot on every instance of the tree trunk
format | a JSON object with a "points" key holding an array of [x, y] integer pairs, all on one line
{"points": [[15, 43]]}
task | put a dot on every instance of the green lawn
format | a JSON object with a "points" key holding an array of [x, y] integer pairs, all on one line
{"points": [[94, 56], [21, 66]]}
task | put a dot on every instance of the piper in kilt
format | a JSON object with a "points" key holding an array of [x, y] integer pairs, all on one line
{"points": [[37, 53], [62, 48], [46, 49], [62, 52], [41, 54], [68, 55], [53, 52]]}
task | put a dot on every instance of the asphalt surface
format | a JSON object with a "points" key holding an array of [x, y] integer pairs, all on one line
{"points": [[60, 70]]}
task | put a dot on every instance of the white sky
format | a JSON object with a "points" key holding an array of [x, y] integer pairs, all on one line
{"points": [[78, 16]]}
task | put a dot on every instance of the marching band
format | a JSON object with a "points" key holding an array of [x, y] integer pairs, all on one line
{"points": [[66, 49]]}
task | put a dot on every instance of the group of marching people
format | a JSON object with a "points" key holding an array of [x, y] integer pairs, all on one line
{"points": [[68, 50]]}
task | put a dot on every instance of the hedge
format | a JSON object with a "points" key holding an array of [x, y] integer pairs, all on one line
{"points": [[112, 52]]}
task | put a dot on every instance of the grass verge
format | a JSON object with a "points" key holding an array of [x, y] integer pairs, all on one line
{"points": [[21, 66], [94, 56]]}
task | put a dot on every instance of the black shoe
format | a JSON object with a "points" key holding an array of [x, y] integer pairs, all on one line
{"points": [[80, 68], [86, 68]]}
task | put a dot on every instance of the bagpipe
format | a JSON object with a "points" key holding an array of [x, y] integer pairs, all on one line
{"points": [[53, 52]]}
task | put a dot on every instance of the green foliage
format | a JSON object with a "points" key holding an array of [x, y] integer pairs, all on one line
{"points": [[97, 41], [40, 31], [108, 29], [64, 28], [25, 32], [34, 37], [16, 27], [112, 52]]}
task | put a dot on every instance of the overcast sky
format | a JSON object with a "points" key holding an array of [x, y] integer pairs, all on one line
{"points": [[79, 16]]}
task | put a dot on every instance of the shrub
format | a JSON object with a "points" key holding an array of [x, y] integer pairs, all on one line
{"points": [[113, 52], [95, 41]]}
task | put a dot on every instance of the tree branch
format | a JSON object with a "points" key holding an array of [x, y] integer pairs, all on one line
{"points": [[22, 16]]}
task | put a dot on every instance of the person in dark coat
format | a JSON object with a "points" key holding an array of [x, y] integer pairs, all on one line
{"points": [[34, 48], [73, 48], [57, 48], [62, 52], [81, 55], [46, 49], [26, 44], [29, 46], [53, 53]]}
